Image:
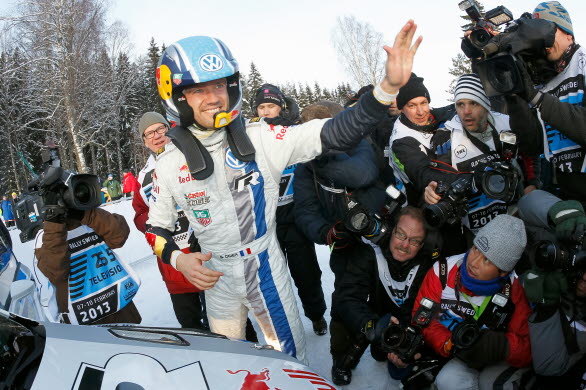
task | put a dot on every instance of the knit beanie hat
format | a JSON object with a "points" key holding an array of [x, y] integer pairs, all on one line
{"points": [[502, 241], [469, 86], [268, 93], [554, 12], [414, 88], [150, 118]]}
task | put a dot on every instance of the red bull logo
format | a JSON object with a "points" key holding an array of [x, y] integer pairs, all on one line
{"points": [[260, 381], [254, 381], [184, 168]]}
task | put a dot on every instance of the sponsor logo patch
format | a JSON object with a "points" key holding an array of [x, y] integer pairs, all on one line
{"points": [[250, 178], [233, 162], [460, 151], [202, 217], [211, 63], [197, 198], [177, 78]]}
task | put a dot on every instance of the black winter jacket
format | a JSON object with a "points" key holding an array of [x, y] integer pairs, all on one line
{"points": [[361, 295], [316, 208]]}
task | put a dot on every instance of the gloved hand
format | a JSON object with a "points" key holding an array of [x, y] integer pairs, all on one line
{"points": [[568, 217], [193, 243], [281, 121], [529, 94], [491, 347], [54, 206], [369, 330], [544, 286], [339, 237]]}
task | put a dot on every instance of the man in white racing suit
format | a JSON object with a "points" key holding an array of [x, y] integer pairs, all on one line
{"points": [[236, 171]]}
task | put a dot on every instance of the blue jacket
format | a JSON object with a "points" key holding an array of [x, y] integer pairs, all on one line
{"points": [[7, 213], [317, 208]]}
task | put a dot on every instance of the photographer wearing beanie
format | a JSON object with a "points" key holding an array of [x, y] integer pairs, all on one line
{"points": [[482, 326], [470, 143], [556, 125], [411, 137]]}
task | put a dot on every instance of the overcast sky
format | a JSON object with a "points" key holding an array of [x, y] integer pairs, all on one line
{"points": [[291, 40]]}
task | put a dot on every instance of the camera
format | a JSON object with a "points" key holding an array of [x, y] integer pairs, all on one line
{"points": [[406, 342], [453, 205], [484, 27], [568, 257], [500, 178], [465, 334], [76, 191], [373, 226], [522, 44]]}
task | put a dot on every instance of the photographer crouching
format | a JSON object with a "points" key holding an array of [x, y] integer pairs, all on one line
{"points": [[556, 285], [482, 326], [377, 289], [83, 281]]}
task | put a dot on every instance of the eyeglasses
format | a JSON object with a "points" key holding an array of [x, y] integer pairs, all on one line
{"points": [[402, 237], [150, 134]]}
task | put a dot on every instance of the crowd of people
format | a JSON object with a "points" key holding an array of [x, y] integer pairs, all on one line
{"points": [[457, 258]]}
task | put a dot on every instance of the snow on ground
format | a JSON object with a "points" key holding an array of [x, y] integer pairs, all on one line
{"points": [[155, 307]]}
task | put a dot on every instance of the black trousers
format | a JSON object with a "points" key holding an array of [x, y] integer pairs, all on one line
{"points": [[304, 268], [189, 310]]}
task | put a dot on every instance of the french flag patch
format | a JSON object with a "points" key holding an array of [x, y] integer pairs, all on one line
{"points": [[245, 252]]}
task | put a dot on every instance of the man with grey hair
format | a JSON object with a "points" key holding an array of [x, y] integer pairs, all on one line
{"points": [[185, 297], [482, 324]]}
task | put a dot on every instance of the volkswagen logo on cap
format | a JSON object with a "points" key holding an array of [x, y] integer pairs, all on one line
{"points": [[211, 63]]}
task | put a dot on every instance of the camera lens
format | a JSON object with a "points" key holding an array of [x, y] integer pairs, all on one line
{"points": [[480, 37], [359, 221], [82, 193], [495, 183], [437, 214], [393, 336]]}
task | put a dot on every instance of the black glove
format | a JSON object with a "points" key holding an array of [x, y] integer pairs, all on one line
{"points": [[369, 330], [491, 348], [338, 237], [529, 94], [54, 207], [193, 243], [469, 49], [281, 121]]}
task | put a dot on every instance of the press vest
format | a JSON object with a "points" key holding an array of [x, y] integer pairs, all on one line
{"points": [[568, 87]]}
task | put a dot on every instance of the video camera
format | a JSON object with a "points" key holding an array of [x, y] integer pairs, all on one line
{"points": [[373, 226], [406, 342], [73, 191], [521, 44], [484, 27]]}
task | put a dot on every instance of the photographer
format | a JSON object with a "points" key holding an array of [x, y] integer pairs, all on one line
{"points": [[322, 189], [558, 100], [556, 285], [482, 325], [89, 284], [469, 143], [411, 137], [379, 286]]}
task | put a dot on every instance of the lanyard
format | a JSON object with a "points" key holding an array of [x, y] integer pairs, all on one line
{"points": [[478, 309]]}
